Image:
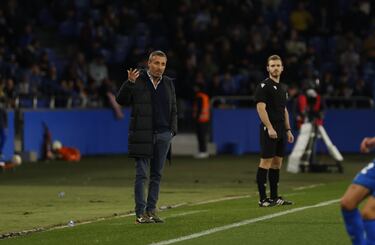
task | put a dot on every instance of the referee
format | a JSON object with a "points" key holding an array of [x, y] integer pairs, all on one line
{"points": [[271, 97]]}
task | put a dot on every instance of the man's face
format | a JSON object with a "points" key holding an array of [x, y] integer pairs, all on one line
{"points": [[156, 65], [275, 68]]}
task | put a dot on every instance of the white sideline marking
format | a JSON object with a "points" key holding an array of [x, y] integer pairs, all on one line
{"points": [[165, 207], [58, 227], [185, 213], [242, 223], [168, 217], [219, 200], [179, 205], [111, 217], [307, 187]]}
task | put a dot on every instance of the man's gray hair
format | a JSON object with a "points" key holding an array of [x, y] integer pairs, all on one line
{"points": [[157, 53]]}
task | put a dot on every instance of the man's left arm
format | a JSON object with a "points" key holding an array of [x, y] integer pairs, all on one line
{"points": [[174, 110], [287, 127]]}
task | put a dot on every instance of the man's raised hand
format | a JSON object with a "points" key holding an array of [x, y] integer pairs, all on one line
{"points": [[133, 74]]}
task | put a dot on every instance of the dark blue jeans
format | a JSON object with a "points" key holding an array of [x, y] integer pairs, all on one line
{"points": [[162, 143]]}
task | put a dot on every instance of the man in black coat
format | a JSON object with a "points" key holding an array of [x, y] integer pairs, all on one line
{"points": [[153, 123]]}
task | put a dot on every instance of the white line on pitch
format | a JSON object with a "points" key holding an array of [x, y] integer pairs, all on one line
{"points": [[219, 200], [185, 213], [169, 216], [242, 223], [307, 187]]}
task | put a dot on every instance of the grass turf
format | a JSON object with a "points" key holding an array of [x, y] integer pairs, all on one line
{"points": [[103, 186]]}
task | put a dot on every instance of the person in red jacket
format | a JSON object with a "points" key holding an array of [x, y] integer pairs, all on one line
{"points": [[309, 108], [201, 116]]}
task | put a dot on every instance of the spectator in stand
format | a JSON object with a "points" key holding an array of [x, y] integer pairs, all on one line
{"points": [[34, 79], [10, 92], [50, 82], [80, 96], [328, 85], [81, 68], [44, 64], [369, 46], [295, 47], [301, 19], [350, 60], [98, 70], [228, 84], [29, 55], [209, 66], [12, 67], [215, 39]]}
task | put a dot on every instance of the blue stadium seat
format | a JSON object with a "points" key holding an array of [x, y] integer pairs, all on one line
{"points": [[68, 29], [122, 42], [95, 14], [119, 55], [76, 101], [43, 102], [25, 101], [51, 54], [317, 44], [107, 55], [141, 42], [142, 28], [45, 18], [82, 4]]}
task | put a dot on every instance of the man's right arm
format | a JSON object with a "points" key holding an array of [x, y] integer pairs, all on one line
{"points": [[124, 95], [261, 108]]}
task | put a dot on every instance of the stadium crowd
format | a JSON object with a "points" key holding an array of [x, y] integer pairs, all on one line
{"points": [[81, 49]]}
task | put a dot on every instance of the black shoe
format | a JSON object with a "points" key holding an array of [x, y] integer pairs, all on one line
{"points": [[267, 202], [144, 219], [281, 201], [153, 216]]}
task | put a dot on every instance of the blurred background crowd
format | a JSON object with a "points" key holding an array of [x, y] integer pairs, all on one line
{"points": [[77, 51]]}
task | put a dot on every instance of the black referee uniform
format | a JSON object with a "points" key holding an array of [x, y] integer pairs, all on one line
{"points": [[274, 95]]}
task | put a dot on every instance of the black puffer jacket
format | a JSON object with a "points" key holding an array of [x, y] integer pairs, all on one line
{"points": [[138, 96]]}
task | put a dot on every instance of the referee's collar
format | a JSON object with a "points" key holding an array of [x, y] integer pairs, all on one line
{"points": [[274, 80]]}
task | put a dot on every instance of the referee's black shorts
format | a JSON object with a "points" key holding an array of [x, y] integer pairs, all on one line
{"points": [[270, 148]]}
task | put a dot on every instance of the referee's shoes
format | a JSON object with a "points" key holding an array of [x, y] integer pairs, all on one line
{"points": [[281, 201], [268, 202]]}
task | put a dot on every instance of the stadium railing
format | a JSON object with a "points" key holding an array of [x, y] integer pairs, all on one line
{"points": [[58, 101], [329, 101]]}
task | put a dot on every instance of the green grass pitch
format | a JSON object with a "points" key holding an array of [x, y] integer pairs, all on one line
{"points": [[196, 196]]}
